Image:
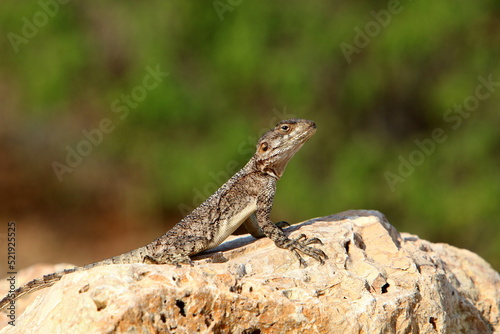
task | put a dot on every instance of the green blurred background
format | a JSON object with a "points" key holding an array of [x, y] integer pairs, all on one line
{"points": [[376, 76]]}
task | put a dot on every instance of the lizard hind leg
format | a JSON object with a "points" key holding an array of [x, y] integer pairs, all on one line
{"points": [[175, 260], [176, 252]]}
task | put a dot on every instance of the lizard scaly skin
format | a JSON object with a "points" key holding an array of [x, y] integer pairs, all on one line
{"points": [[246, 198]]}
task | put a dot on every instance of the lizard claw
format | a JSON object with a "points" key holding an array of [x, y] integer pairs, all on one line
{"points": [[301, 245], [303, 239], [314, 241]]}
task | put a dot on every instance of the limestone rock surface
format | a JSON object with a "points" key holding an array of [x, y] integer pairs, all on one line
{"points": [[376, 280]]}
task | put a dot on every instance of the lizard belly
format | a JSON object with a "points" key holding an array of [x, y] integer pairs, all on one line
{"points": [[228, 226]]}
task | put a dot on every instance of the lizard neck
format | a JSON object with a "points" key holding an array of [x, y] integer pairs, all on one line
{"points": [[260, 166]]}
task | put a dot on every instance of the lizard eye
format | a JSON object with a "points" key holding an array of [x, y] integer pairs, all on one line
{"points": [[285, 128]]}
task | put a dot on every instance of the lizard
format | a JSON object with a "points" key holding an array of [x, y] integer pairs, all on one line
{"points": [[246, 198]]}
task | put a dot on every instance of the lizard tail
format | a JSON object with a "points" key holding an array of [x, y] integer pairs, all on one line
{"points": [[135, 256], [34, 285]]}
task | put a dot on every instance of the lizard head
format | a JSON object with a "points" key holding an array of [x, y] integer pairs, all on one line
{"points": [[277, 146]]}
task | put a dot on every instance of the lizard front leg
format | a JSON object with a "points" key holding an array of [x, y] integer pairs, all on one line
{"points": [[275, 233], [252, 226]]}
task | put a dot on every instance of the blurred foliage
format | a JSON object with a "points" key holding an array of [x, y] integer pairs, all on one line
{"points": [[235, 73]]}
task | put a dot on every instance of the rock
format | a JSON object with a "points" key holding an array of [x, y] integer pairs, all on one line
{"points": [[375, 281], [22, 277]]}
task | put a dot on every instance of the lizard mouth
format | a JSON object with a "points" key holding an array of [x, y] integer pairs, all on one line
{"points": [[306, 135], [298, 141]]}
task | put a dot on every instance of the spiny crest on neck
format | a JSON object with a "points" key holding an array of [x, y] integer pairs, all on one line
{"points": [[277, 146]]}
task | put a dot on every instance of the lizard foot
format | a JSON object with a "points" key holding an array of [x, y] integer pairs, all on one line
{"points": [[301, 245], [150, 260]]}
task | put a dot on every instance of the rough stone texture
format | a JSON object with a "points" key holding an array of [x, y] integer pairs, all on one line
{"points": [[376, 281], [23, 277]]}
